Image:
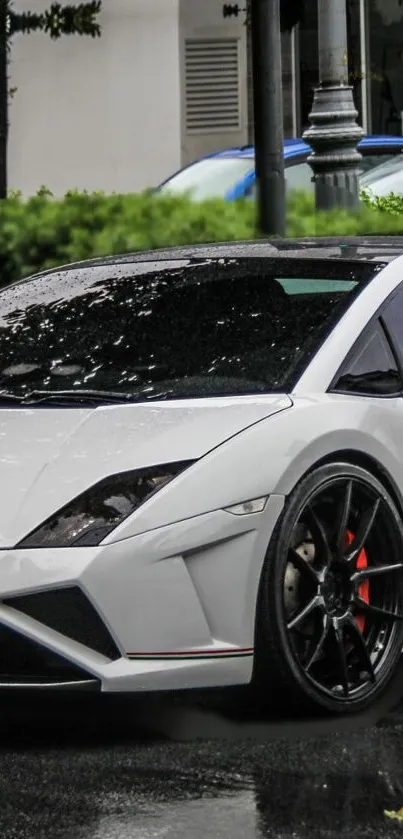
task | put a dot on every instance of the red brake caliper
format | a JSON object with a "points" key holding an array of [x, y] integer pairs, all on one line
{"points": [[363, 589]]}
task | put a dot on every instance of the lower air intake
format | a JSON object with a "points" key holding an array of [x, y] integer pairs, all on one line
{"points": [[68, 611], [23, 661]]}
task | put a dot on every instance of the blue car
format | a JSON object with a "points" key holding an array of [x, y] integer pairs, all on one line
{"points": [[230, 174]]}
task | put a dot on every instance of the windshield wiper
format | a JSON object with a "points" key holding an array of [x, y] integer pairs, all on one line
{"points": [[70, 397], [9, 398]]}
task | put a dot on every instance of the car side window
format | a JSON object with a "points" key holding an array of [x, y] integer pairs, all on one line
{"points": [[392, 318], [370, 369]]}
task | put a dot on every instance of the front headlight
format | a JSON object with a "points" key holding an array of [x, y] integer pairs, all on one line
{"points": [[91, 516]]}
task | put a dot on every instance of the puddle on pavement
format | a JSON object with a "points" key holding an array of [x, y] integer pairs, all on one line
{"points": [[284, 807], [221, 817]]}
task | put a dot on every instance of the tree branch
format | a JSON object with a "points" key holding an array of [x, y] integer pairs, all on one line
{"points": [[58, 20]]}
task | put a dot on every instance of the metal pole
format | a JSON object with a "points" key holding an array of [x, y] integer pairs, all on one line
{"points": [[3, 98], [334, 133], [268, 115], [364, 64]]}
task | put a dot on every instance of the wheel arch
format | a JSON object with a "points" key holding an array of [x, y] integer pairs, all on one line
{"points": [[366, 461]]}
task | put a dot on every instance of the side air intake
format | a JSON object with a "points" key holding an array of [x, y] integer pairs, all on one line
{"points": [[68, 611]]}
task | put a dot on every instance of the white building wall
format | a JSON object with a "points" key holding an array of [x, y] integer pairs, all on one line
{"points": [[203, 19], [97, 114]]}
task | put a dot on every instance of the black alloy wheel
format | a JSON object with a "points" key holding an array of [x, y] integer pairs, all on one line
{"points": [[330, 609]]}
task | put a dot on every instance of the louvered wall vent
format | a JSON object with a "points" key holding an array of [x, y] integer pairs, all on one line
{"points": [[212, 85]]}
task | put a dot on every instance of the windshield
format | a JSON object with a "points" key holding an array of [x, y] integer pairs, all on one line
{"points": [[209, 178], [374, 159], [386, 178], [172, 330]]}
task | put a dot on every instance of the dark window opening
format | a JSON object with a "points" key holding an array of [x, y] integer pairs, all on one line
{"points": [[392, 317], [372, 368]]}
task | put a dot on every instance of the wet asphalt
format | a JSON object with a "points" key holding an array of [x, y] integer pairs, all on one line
{"points": [[118, 769]]}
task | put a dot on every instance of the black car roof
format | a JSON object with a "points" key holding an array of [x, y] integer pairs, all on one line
{"points": [[353, 249]]}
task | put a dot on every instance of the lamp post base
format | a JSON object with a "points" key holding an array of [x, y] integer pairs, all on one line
{"points": [[333, 137]]}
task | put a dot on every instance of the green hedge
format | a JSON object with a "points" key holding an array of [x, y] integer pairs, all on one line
{"points": [[42, 232], [392, 204]]}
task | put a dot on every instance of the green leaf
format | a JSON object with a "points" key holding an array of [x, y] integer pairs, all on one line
{"points": [[394, 814]]}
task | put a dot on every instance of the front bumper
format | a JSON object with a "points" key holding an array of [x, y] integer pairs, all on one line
{"points": [[167, 609]]}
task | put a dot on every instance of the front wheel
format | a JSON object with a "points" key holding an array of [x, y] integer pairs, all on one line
{"points": [[330, 606]]}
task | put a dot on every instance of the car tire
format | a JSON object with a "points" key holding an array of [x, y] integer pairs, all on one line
{"points": [[331, 510]]}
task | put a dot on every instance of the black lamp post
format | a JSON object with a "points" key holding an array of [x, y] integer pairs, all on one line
{"points": [[334, 132], [268, 112]]}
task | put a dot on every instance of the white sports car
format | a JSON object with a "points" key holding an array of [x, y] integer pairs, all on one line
{"points": [[201, 471]]}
